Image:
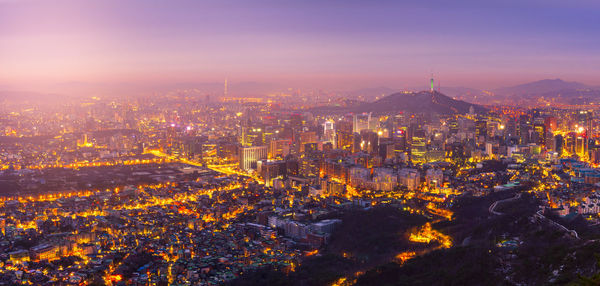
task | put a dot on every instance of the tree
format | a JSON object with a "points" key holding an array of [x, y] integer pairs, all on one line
{"points": [[593, 280]]}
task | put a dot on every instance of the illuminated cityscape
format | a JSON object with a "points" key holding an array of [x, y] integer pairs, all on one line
{"points": [[149, 155]]}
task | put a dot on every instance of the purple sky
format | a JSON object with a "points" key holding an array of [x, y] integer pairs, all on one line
{"points": [[140, 45]]}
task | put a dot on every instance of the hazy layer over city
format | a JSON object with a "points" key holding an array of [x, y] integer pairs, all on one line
{"points": [[101, 47], [277, 142]]}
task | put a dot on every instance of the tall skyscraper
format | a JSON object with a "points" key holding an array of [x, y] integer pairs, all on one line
{"points": [[539, 130], [418, 146]]}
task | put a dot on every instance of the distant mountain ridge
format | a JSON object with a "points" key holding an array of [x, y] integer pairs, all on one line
{"points": [[540, 87], [371, 93], [419, 102]]}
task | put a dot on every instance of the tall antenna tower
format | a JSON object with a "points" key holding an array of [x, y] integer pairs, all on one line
{"points": [[431, 89]]}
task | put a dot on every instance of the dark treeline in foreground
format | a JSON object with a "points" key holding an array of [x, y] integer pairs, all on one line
{"points": [[513, 248]]}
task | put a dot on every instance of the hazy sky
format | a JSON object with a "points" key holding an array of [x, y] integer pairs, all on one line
{"points": [[144, 44]]}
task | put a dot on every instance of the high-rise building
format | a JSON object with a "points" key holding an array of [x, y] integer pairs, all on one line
{"points": [[328, 132], [250, 155], [550, 142], [400, 140], [585, 120], [594, 152], [369, 141], [511, 130], [356, 140], [481, 128], [344, 134], [191, 147], [581, 146], [418, 146], [539, 132], [362, 122], [279, 148], [305, 138], [569, 144], [551, 123], [524, 129], [253, 135], [453, 126], [269, 170], [227, 151], [387, 149]]}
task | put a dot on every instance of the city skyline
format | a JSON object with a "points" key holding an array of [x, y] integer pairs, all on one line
{"points": [[140, 47], [277, 142]]}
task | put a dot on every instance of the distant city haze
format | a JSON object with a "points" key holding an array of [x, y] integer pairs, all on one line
{"points": [[142, 46]]}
